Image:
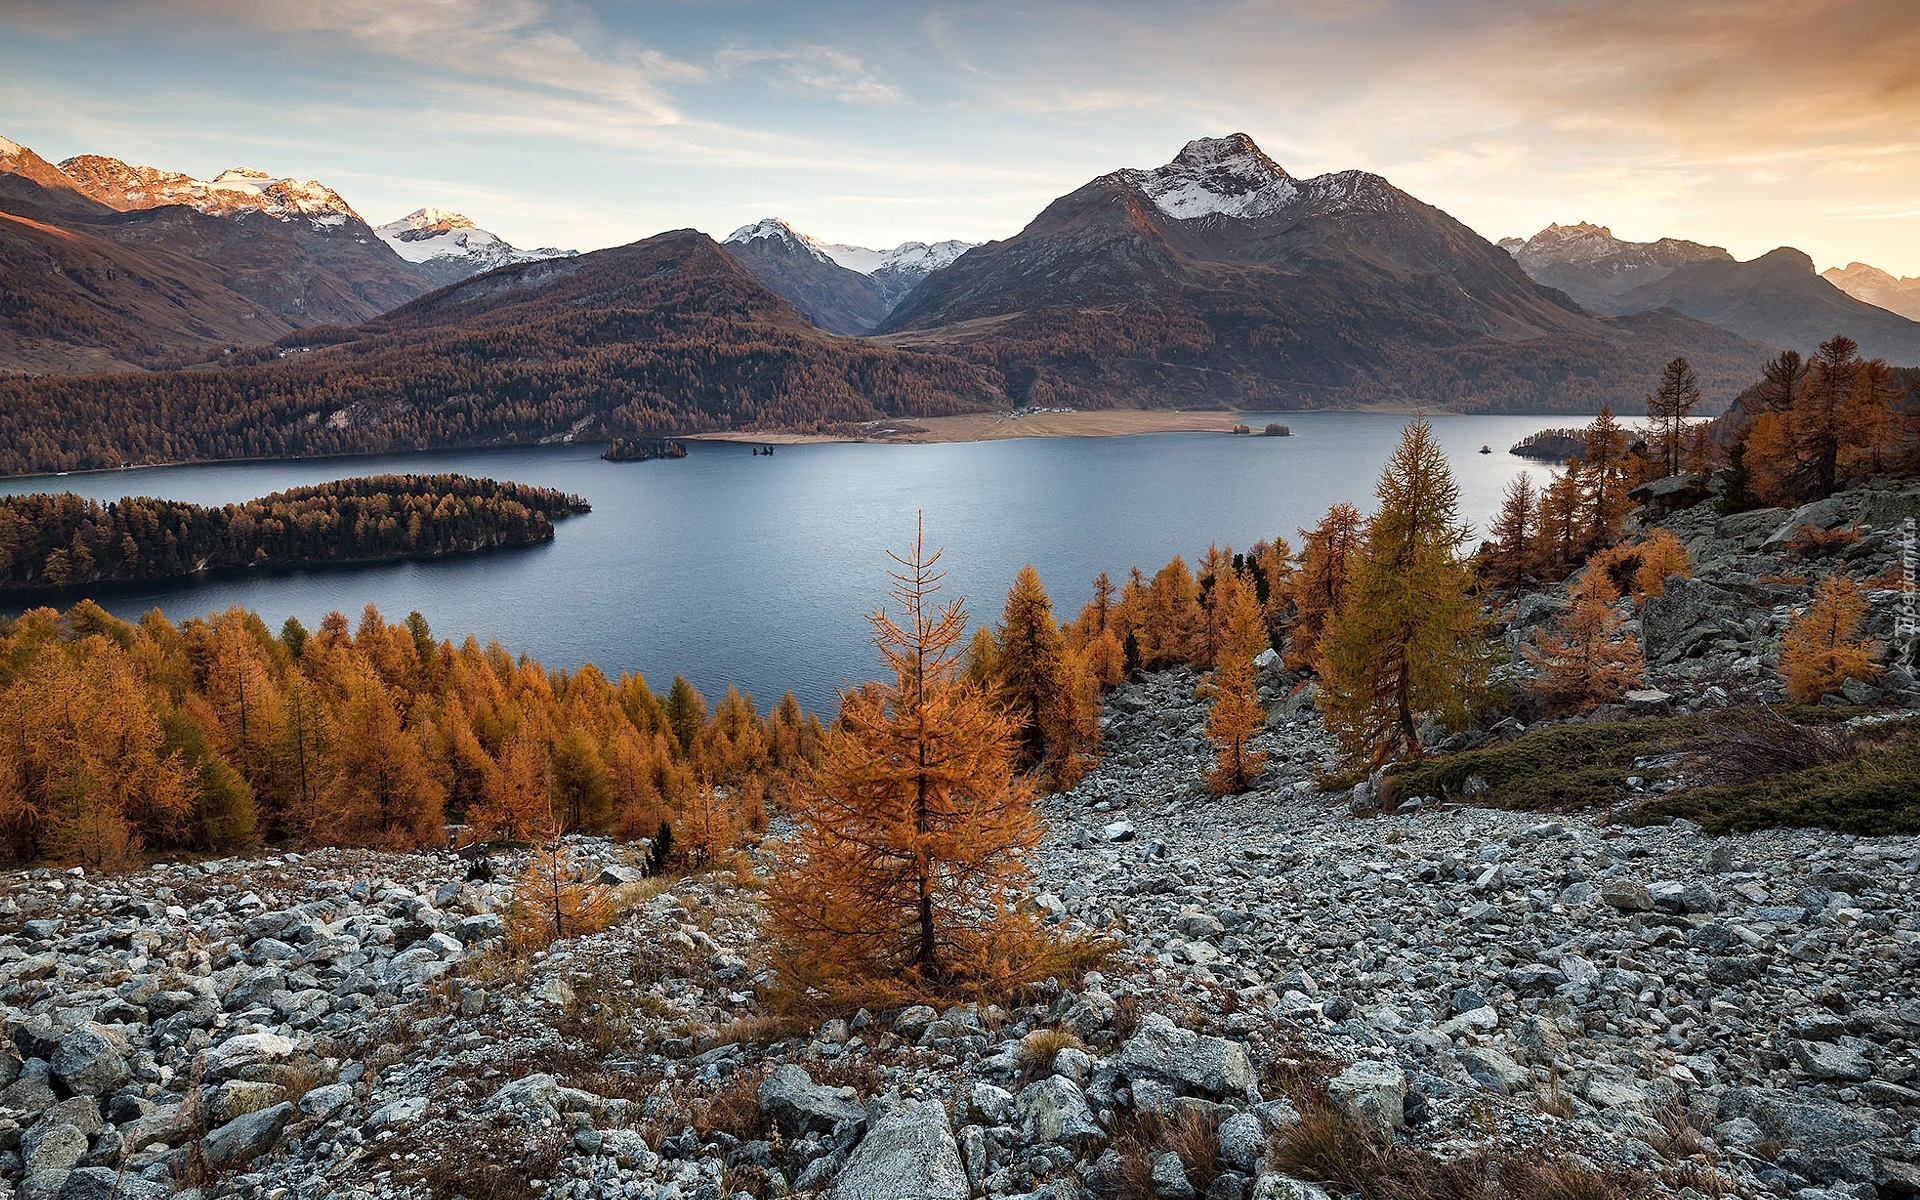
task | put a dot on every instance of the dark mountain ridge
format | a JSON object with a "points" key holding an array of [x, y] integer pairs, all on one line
{"points": [[1221, 279], [664, 336]]}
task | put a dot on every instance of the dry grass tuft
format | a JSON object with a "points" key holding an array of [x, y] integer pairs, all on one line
{"points": [[1037, 1051]]}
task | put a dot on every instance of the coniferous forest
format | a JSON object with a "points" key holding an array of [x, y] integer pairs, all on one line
{"points": [[52, 541]]}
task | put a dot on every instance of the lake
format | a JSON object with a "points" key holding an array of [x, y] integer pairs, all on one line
{"points": [[759, 570]]}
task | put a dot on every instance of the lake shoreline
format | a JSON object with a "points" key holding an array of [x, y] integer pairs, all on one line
{"points": [[1001, 426]]}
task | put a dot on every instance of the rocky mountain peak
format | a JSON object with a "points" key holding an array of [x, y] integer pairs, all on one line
{"points": [[1217, 177]]}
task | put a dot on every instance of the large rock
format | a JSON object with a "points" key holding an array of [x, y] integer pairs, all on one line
{"points": [[105, 1183], [236, 1054], [910, 1152], [91, 1061], [1212, 1065], [797, 1104], [1688, 612], [51, 1147], [1824, 1060], [1281, 1187], [1375, 1093], [246, 1138], [1055, 1110], [1807, 1124]]}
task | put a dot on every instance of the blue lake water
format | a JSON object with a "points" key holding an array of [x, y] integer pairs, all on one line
{"points": [[759, 570]]}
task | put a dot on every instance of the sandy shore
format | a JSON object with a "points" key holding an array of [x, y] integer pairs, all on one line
{"points": [[987, 427]]}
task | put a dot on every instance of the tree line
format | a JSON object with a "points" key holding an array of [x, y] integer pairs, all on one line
{"points": [[62, 540], [218, 735]]}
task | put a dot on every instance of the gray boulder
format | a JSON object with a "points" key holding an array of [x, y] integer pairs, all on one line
{"points": [[1243, 1139], [1208, 1064], [1824, 1060], [91, 1061], [245, 1138], [1375, 1093], [1282, 1187], [797, 1104], [910, 1152], [1687, 613], [236, 1054], [105, 1183], [1055, 1110]]}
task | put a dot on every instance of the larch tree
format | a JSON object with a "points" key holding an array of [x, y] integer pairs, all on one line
{"points": [[1668, 407], [1822, 647], [1514, 530], [1031, 665], [1236, 715], [1406, 645], [1591, 660], [913, 829], [1825, 416], [1605, 476], [1327, 554]]}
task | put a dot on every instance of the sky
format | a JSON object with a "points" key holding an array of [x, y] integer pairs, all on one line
{"points": [[1747, 124]]}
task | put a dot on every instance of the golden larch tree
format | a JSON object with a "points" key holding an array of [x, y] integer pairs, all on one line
{"points": [[1406, 645], [1591, 660], [1319, 588], [1236, 716], [1822, 648], [913, 829]]}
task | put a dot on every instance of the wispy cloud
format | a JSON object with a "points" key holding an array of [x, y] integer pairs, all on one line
{"points": [[809, 70], [517, 48]]}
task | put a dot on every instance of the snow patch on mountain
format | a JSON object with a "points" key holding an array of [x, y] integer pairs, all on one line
{"points": [[435, 233], [9, 149], [1218, 177], [773, 229], [909, 258], [124, 186]]}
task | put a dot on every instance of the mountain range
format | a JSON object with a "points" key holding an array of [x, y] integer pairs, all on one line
{"points": [[1215, 280], [1776, 299], [842, 289], [117, 267], [1220, 279], [1900, 295]]}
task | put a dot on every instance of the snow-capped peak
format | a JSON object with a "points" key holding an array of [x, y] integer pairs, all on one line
{"points": [[9, 149], [1227, 176], [773, 229], [432, 218], [427, 234], [240, 189], [912, 258]]}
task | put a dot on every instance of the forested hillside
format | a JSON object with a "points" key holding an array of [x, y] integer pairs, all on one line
{"points": [[215, 734], [664, 336], [65, 541]]}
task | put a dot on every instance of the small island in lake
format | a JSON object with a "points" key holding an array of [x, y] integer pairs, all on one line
{"points": [[1551, 445], [623, 449], [55, 541]]}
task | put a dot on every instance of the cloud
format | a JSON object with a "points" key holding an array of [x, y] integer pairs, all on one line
{"points": [[519, 49], [810, 70]]}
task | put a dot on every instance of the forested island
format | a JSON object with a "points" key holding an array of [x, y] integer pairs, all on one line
{"points": [[62, 540], [1551, 445], [622, 449]]}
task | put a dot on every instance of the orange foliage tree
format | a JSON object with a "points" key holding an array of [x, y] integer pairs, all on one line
{"points": [[1236, 715], [913, 830], [1822, 648], [1591, 661], [1327, 554]]}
